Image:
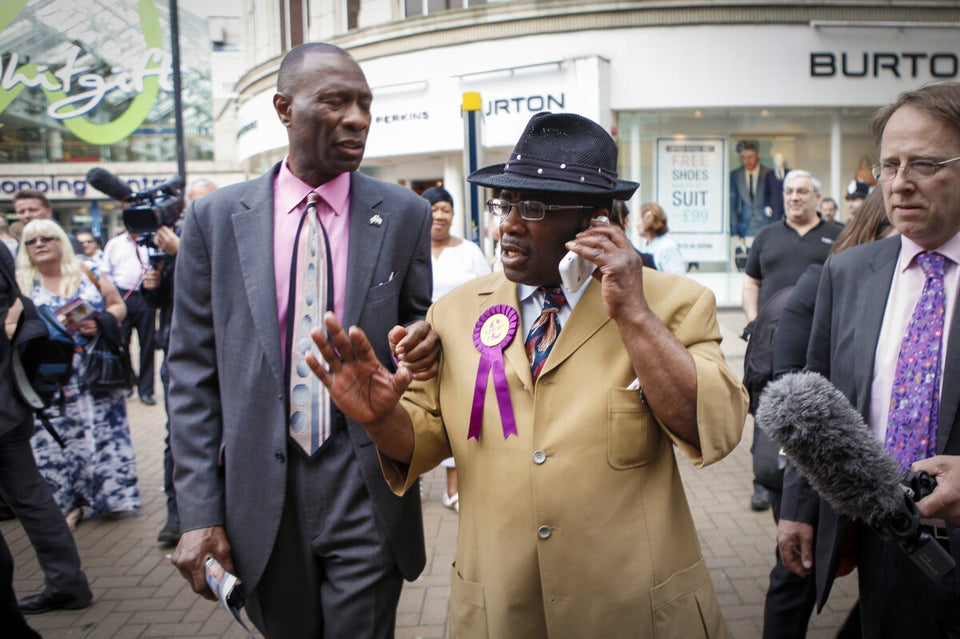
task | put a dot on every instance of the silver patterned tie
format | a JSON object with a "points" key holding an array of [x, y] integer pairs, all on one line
{"points": [[310, 295]]}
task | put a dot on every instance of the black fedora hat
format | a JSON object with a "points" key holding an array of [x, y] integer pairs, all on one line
{"points": [[561, 152]]}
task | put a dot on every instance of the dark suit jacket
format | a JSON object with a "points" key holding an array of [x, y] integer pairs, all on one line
{"points": [[851, 299], [773, 190], [13, 411], [748, 214], [228, 421]]}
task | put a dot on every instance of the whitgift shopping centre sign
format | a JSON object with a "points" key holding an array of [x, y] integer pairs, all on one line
{"points": [[75, 92], [68, 187]]}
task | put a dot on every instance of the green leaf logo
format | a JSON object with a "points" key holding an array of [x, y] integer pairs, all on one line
{"points": [[15, 79]]}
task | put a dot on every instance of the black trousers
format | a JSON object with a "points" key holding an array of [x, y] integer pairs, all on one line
{"points": [[11, 619], [897, 600], [29, 496], [143, 317], [790, 598], [169, 488]]}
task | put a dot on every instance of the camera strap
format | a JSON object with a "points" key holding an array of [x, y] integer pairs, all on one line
{"points": [[136, 286], [91, 276]]}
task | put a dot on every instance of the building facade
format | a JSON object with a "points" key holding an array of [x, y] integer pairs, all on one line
{"points": [[677, 84], [90, 84]]}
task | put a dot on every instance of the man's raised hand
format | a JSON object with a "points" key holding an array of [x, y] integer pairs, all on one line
{"points": [[358, 383]]}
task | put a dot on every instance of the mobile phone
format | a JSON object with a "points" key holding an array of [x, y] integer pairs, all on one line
{"points": [[574, 271]]}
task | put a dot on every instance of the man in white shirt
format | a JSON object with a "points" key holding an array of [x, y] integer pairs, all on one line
{"points": [[126, 262]]}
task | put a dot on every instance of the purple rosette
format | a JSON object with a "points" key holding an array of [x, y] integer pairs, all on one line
{"points": [[492, 334]]}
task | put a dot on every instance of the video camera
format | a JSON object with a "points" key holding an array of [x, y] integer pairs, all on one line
{"points": [[144, 211], [917, 485], [904, 528]]}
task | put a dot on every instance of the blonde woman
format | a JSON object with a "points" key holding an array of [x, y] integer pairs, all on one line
{"points": [[96, 470]]}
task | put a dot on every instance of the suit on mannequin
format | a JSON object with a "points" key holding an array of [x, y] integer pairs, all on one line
{"points": [[748, 206], [774, 187]]}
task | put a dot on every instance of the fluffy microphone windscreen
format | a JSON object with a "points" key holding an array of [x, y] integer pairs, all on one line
{"points": [[829, 443]]}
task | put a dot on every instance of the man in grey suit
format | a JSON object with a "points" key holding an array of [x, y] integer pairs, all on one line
{"points": [[749, 197], [865, 302], [319, 542]]}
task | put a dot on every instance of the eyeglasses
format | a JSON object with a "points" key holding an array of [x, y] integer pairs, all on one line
{"points": [[529, 210], [42, 240], [921, 169]]}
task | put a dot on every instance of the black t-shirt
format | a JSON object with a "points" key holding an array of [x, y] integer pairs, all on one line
{"points": [[779, 255]]}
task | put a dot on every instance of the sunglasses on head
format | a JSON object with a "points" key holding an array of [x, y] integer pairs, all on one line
{"points": [[42, 240]]}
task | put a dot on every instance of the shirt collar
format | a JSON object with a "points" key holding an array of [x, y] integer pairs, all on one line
{"points": [[292, 190], [910, 249], [527, 291]]}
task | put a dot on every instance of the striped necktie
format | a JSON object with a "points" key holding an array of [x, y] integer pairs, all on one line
{"points": [[545, 330], [915, 397], [310, 295]]}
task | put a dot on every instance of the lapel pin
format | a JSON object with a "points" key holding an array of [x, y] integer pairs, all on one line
{"points": [[376, 220]]}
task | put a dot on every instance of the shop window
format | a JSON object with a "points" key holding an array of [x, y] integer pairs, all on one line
{"points": [[293, 17], [651, 143], [353, 14]]}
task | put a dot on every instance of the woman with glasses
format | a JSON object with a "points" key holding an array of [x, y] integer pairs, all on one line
{"points": [[96, 469]]}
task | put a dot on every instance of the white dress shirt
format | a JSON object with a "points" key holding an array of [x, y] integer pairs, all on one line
{"points": [[125, 262]]}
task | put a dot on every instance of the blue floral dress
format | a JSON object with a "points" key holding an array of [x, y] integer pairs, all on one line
{"points": [[96, 469]]}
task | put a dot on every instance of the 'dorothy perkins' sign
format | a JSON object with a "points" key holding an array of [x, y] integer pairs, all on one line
{"points": [[75, 91]]}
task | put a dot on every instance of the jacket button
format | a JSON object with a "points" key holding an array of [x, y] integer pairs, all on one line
{"points": [[279, 457], [544, 532], [539, 457]]}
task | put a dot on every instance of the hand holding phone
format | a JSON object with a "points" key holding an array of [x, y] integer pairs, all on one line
{"points": [[574, 271]]}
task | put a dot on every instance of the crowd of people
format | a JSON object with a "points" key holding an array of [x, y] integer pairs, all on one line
{"points": [[321, 374], [73, 460]]}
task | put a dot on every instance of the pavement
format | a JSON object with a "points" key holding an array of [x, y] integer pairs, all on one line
{"points": [[138, 593]]}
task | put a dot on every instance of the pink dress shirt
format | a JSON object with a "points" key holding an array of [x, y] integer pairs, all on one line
{"points": [[905, 291], [289, 202]]}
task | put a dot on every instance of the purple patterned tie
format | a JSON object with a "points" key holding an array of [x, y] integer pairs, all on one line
{"points": [[310, 296], [545, 330], [915, 397]]}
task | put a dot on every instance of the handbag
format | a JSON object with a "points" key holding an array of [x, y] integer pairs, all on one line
{"points": [[104, 362], [105, 366]]}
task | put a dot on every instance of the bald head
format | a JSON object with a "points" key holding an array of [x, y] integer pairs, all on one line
{"points": [[288, 76]]}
